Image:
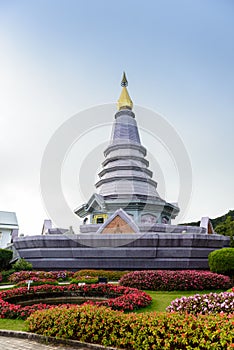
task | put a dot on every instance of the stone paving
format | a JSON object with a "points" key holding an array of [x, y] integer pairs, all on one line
{"points": [[8, 343]]}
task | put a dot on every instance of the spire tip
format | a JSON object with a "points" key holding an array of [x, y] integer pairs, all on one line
{"points": [[124, 100], [124, 81]]}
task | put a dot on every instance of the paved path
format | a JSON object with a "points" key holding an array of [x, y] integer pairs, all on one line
{"points": [[8, 343]]}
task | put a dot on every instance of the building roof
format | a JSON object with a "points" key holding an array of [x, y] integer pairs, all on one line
{"points": [[8, 218]]}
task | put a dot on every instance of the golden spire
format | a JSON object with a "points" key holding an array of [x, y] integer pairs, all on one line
{"points": [[124, 100]]}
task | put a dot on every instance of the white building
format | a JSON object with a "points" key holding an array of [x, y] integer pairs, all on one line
{"points": [[8, 228]]}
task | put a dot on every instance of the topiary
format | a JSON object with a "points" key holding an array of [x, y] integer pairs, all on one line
{"points": [[222, 261], [22, 264]]}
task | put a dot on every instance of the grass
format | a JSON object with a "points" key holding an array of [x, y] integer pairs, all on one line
{"points": [[13, 325], [161, 299]]}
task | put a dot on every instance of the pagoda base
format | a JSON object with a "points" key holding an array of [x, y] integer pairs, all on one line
{"points": [[120, 251]]}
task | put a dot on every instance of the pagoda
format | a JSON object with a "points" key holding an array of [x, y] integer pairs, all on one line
{"points": [[125, 181], [126, 224]]}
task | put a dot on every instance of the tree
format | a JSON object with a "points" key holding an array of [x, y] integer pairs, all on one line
{"points": [[5, 258], [226, 228]]}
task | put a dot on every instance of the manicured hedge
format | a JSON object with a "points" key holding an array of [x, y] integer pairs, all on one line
{"points": [[203, 304], [175, 280], [222, 261], [110, 275], [135, 331], [118, 298]]}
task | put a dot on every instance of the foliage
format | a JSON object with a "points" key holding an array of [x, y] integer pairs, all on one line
{"points": [[119, 298], [28, 275], [6, 274], [110, 275], [135, 331], [203, 304], [215, 222], [5, 258], [11, 311], [175, 280], [222, 261], [22, 264], [86, 279], [37, 282], [226, 228]]}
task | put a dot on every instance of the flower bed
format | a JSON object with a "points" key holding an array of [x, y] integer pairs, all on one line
{"points": [[119, 298], [65, 275], [36, 281], [29, 275], [203, 304], [175, 280], [135, 331]]}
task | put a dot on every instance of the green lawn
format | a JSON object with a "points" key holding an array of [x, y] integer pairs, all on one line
{"points": [[14, 325], [162, 299]]}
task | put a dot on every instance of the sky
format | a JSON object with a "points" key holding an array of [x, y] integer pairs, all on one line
{"points": [[63, 57]]}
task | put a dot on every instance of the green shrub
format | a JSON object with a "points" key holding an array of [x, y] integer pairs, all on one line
{"points": [[90, 280], [110, 275], [6, 274], [22, 265], [135, 331], [5, 258], [222, 261]]}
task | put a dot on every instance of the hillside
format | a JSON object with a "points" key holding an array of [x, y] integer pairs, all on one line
{"points": [[214, 221]]}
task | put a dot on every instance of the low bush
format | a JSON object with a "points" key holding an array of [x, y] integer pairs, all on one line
{"points": [[135, 331], [28, 275], [6, 274], [22, 265], [175, 280], [110, 275], [222, 261], [118, 298], [203, 304]]}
